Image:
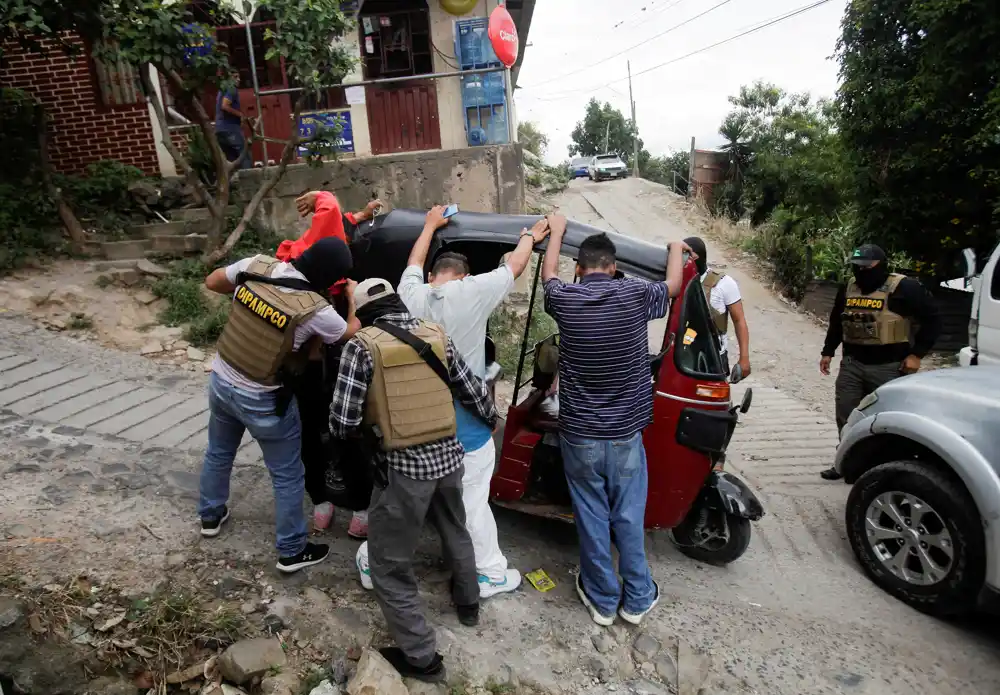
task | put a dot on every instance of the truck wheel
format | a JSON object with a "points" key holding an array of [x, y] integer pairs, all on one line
{"points": [[713, 537], [917, 534]]}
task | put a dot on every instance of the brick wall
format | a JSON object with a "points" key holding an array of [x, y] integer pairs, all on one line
{"points": [[83, 129]]}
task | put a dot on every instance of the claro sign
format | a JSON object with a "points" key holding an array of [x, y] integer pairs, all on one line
{"points": [[503, 36]]}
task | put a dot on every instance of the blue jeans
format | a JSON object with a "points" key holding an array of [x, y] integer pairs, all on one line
{"points": [[607, 484], [233, 143], [233, 411]]}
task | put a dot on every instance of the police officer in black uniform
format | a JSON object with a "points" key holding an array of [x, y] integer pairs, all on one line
{"points": [[887, 323]]}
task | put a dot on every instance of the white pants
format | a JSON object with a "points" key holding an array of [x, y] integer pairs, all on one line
{"points": [[479, 521]]}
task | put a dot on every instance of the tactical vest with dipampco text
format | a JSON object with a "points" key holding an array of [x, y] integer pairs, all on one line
{"points": [[259, 337], [719, 318], [407, 403], [867, 320]]}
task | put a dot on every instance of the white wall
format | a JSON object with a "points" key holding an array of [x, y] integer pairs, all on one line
{"points": [[359, 112]]}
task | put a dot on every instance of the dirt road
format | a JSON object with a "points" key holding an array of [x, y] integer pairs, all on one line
{"points": [[794, 616]]}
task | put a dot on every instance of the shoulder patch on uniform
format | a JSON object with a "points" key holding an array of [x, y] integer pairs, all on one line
{"points": [[260, 308]]}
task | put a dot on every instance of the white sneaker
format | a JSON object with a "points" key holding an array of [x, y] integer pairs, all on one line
{"points": [[636, 618], [488, 587], [361, 560], [598, 617]]}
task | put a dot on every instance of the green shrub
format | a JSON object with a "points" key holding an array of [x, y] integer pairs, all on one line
{"points": [[507, 331], [28, 226], [207, 328], [186, 301]]}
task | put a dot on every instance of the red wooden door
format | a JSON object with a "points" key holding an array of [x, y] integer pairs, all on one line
{"points": [[403, 119], [276, 117]]}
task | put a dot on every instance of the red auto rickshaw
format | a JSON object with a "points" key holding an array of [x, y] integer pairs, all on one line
{"points": [[707, 509]]}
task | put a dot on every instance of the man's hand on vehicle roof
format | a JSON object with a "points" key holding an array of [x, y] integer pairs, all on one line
{"points": [[540, 230], [684, 248], [557, 224], [435, 217]]}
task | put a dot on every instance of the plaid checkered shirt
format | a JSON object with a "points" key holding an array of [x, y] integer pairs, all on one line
{"points": [[428, 461]]}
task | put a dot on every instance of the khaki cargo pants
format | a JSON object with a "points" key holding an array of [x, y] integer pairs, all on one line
{"points": [[855, 381]]}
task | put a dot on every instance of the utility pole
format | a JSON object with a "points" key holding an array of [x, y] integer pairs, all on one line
{"points": [[635, 127], [607, 136]]}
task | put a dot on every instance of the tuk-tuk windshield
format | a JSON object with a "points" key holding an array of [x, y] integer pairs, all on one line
{"points": [[696, 351]]}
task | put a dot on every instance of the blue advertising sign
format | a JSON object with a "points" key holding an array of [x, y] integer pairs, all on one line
{"points": [[311, 123]]}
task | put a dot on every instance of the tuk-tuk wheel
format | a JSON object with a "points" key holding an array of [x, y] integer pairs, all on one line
{"points": [[700, 537]]}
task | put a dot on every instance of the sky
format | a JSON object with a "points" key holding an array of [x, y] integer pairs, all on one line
{"points": [[571, 50]]}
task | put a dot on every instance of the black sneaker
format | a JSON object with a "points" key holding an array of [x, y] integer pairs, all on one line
{"points": [[432, 673], [831, 474], [210, 528], [312, 554], [468, 615]]}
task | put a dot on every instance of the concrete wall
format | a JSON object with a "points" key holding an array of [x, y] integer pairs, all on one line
{"points": [[480, 179]]}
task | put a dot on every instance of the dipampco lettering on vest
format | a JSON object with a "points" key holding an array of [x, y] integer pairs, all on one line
{"points": [[261, 308], [865, 303]]}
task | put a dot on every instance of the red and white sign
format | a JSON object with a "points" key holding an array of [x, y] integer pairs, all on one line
{"points": [[503, 36]]}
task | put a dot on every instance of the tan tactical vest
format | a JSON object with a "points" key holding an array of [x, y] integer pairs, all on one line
{"points": [[259, 336], [720, 319], [407, 402], [867, 320]]}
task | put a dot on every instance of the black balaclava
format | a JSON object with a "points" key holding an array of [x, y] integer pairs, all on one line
{"points": [[871, 277], [698, 246], [325, 263], [373, 311]]}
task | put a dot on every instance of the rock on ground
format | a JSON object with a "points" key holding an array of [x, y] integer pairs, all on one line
{"points": [[376, 675], [248, 659]]}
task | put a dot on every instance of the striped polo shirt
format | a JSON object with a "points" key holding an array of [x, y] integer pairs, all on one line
{"points": [[604, 377]]}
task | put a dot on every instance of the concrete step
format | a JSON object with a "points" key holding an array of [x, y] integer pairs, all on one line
{"points": [[124, 250], [179, 245], [199, 214], [154, 229]]}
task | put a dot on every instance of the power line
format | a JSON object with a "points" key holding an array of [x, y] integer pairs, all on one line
{"points": [[641, 43], [740, 35], [645, 15]]}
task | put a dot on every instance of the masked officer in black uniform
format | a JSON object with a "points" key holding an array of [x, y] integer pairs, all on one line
{"points": [[874, 316]]}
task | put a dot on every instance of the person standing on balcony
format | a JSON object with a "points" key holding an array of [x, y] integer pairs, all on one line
{"points": [[229, 120]]}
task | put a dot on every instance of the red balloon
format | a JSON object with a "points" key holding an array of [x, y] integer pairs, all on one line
{"points": [[503, 36]]}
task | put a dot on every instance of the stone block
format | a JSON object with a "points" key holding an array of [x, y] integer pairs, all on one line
{"points": [[190, 243], [155, 229], [376, 676], [248, 659]]}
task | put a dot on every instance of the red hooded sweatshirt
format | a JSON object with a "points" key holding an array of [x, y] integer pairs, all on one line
{"points": [[328, 220]]}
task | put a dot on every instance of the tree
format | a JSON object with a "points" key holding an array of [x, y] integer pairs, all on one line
{"points": [[920, 116], [662, 169], [532, 139], [162, 34], [603, 122]]}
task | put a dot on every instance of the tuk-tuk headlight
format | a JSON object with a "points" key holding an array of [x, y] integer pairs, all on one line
{"points": [[868, 401]]}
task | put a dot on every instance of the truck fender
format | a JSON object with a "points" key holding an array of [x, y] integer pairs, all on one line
{"points": [[734, 495], [966, 461]]}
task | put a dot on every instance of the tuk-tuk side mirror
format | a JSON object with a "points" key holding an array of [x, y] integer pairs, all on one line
{"points": [[747, 400], [969, 258]]}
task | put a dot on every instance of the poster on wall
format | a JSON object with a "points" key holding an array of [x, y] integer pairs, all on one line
{"points": [[355, 95], [312, 123]]}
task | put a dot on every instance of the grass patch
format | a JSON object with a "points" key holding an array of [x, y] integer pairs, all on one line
{"points": [[206, 329], [185, 300], [160, 633], [507, 332]]}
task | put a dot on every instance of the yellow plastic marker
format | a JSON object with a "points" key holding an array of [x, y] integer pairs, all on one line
{"points": [[689, 336], [540, 580]]}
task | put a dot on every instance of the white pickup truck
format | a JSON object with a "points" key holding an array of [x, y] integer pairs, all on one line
{"points": [[984, 324]]}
